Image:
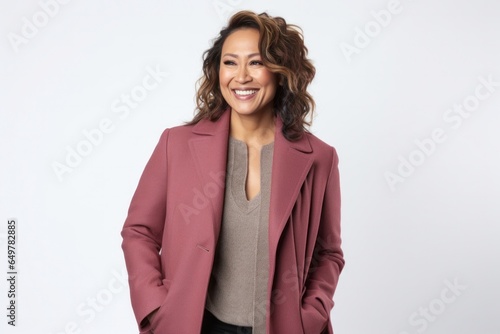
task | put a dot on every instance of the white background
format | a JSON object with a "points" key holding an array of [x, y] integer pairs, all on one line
{"points": [[404, 246]]}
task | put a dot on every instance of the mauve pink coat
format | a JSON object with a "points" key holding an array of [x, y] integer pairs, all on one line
{"points": [[170, 234]]}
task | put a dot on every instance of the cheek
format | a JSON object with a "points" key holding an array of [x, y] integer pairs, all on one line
{"points": [[223, 84], [223, 78], [268, 78]]}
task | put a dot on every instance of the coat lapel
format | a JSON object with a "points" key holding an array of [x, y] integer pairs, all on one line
{"points": [[209, 151], [291, 164]]}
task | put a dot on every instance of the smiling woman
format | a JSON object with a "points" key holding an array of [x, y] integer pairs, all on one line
{"points": [[235, 224], [246, 84], [280, 48]]}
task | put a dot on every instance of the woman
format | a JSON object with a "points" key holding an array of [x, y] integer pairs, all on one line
{"points": [[235, 223]]}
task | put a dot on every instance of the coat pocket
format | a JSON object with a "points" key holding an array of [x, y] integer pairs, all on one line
{"points": [[161, 313], [313, 321]]}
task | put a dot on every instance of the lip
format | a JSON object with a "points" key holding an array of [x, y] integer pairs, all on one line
{"points": [[244, 97]]}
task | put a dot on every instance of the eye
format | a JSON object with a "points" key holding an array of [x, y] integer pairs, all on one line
{"points": [[229, 62], [256, 62]]}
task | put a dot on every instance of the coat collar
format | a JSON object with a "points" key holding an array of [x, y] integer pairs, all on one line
{"points": [[206, 127]]}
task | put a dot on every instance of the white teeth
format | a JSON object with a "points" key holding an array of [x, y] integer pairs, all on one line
{"points": [[245, 92]]}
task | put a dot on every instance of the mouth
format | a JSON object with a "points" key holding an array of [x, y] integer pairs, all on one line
{"points": [[244, 94]]}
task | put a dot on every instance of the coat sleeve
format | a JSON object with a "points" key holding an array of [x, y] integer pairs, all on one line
{"points": [[328, 259], [142, 233]]}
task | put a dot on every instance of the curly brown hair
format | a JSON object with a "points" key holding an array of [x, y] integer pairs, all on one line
{"points": [[283, 52]]}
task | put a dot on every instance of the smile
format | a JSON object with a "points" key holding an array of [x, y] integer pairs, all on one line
{"points": [[244, 94]]}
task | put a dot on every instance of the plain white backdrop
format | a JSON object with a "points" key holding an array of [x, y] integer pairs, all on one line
{"points": [[407, 91]]}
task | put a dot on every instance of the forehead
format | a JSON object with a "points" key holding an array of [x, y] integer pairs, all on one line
{"points": [[242, 40]]}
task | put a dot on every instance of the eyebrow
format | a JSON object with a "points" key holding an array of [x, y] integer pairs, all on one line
{"points": [[236, 56]]}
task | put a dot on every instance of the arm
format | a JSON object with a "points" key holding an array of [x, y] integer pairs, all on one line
{"points": [[328, 259], [142, 234]]}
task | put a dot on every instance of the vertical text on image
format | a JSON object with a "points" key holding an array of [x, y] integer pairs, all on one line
{"points": [[12, 272]]}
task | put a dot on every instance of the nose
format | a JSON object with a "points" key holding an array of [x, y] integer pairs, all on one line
{"points": [[242, 75]]}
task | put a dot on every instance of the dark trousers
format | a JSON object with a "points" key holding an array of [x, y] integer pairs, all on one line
{"points": [[212, 325]]}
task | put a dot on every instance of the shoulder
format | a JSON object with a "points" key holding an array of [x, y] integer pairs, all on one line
{"points": [[202, 127], [178, 133], [322, 150]]}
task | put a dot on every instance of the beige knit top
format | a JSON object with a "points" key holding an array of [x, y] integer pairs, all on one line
{"points": [[237, 292]]}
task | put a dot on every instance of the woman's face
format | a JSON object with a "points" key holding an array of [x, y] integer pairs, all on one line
{"points": [[246, 84]]}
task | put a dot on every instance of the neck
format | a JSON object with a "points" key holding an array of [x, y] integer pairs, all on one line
{"points": [[257, 129]]}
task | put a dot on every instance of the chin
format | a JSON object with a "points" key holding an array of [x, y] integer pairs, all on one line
{"points": [[244, 111], [248, 111]]}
